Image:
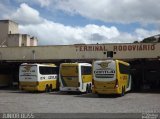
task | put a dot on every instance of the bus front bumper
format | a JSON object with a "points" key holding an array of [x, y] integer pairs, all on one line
{"points": [[106, 91], [69, 89], [28, 88]]}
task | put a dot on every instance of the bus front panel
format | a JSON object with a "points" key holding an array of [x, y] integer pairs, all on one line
{"points": [[28, 77], [104, 77], [69, 76]]}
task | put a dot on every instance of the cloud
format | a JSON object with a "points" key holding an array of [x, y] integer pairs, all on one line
{"points": [[49, 32], [26, 15], [52, 33], [109, 11], [120, 11], [142, 33], [4, 10], [44, 3]]}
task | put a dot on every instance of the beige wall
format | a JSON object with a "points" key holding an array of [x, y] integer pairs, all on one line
{"points": [[20, 40], [3, 32], [97, 51], [7, 27], [9, 35], [14, 40], [33, 41], [13, 28], [25, 40]]}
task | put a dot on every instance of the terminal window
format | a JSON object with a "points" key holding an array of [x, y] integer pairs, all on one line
{"points": [[110, 54]]}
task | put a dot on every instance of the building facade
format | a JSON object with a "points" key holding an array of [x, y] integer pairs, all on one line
{"points": [[10, 36]]}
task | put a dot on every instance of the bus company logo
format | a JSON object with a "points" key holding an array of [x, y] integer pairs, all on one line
{"points": [[104, 65], [27, 68], [104, 73]]}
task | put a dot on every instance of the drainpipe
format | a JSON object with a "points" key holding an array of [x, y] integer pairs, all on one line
{"points": [[34, 55]]}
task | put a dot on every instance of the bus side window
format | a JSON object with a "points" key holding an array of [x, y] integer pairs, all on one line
{"points": [[47, 70], [124, 69], [56, 70], [86, 70]]}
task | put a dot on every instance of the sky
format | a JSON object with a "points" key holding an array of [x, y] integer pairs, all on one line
{"points": [[63, 22]]}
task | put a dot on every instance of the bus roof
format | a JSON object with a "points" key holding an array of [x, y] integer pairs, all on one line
{"points": [[75, 64], [36, 64], [120, 61]]}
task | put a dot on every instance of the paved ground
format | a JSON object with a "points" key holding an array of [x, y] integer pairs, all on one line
{"points": [[22, 102]]}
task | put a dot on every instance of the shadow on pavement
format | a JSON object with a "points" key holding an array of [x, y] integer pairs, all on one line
{"points": [[65, 93], [150, 91], [91, 95]]}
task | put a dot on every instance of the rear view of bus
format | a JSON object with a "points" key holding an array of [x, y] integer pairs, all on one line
{"points": [[108, 77], [75, 77], [37, 77]]}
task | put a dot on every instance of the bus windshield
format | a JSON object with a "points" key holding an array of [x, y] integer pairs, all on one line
{"points": [[28, 72], [69, 71], [69, 76]]}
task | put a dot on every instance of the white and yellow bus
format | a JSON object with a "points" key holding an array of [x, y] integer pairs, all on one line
{"points": [[38, 77], [75, 77], [111, 77]]}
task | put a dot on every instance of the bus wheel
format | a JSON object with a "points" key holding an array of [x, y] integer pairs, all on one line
{"points": [[50, 88], [100, 95], [90, 88], [123, 91], [47, 89], [87, 88]]}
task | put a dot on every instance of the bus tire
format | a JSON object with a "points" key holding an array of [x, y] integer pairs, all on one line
{"points": [[47, 89], [100, 95], [87, 88], [50, 88], [90, 88], [122, 93]]}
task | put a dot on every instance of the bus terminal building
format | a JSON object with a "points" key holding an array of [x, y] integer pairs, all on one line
{"points": [[143, 57], [21, 48]]}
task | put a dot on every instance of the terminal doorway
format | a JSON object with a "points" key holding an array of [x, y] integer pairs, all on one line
{"points": [[145, 74]]}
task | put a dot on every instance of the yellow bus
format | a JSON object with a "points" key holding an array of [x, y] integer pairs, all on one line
{"points": [[111, 77], [38, 77], [75, 77]]}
